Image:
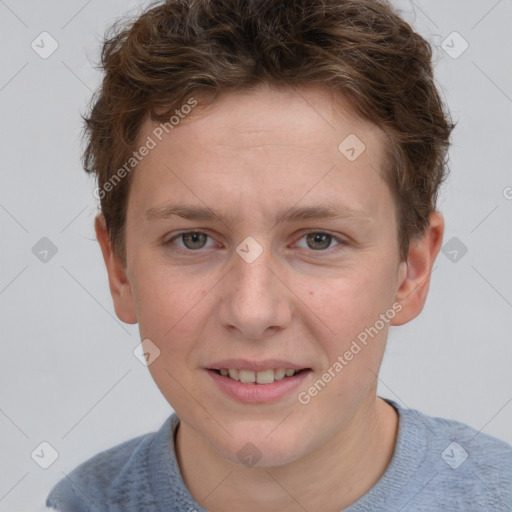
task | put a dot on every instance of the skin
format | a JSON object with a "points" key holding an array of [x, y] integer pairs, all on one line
{"points": [[251, 155]]}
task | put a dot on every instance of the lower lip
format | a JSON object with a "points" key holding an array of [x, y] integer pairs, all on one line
{"points": [[258, 393]]}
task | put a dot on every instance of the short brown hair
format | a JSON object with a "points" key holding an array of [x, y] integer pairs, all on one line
{"points": [[361, 49]]}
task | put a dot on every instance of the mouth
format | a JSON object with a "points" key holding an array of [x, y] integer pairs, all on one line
{"points": [[261, 377], [265, 382]]}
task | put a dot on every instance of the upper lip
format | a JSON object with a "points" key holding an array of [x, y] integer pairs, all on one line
{"points": [[244, 364]]}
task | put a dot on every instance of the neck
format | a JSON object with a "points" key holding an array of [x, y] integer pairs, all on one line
{"points": [[356, 458]]}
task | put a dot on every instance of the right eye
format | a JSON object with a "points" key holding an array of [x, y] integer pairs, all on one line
{"points": [[192, 240]]}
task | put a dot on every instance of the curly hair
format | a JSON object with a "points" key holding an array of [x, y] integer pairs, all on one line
{"points": [[361, 49]]}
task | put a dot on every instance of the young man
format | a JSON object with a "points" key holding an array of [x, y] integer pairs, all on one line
{"points": [[268, 175]]}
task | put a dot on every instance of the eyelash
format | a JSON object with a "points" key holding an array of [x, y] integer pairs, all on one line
{"points": [[340, 241]]}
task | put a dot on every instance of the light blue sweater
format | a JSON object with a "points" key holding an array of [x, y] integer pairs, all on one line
{"points": [[438, 465]]}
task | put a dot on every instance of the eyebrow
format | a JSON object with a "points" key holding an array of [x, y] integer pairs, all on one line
{"points": [[295, 213]]}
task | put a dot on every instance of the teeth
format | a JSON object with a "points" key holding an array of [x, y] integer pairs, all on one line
{"points": [[279, 373], [261, 377], [247, 376], [265, 377]]}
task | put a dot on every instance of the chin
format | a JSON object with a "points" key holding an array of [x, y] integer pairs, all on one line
{"points": [[254, 447]]}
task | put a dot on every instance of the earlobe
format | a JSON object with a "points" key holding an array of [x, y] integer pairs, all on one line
{"points": [[120, 288], [414, 280]]}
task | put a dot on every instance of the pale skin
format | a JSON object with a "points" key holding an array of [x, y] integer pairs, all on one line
{"points": [[250, 156]]}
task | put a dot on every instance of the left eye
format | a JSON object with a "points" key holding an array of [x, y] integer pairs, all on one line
{"points": [[315, 240], [318, 240]]}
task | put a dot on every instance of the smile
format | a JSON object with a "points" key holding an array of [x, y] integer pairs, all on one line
{"points": [[258, 386], [258, 377]]}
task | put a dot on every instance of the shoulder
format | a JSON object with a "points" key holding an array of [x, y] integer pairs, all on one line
{"points": [[112, 476], [468, 467], [468, 444]]}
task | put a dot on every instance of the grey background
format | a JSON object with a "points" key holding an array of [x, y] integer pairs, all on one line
{"points": [[68, 373]]}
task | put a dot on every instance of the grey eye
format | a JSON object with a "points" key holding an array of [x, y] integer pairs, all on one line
{"points": [[318, 241], [193, 240]]}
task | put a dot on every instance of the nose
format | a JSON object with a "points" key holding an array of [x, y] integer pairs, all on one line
{"points": [[255, 301]]}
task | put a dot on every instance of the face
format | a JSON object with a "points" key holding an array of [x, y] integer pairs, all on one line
{"points": [[234, 262]]}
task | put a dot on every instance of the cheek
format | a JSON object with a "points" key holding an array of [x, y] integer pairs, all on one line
{"points": [[350, 301], [351, 307], [170, 307], [172, 315], [164, 291]]}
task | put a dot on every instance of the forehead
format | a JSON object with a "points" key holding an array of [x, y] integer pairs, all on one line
{"points": [[293, 112], [282, 143]]}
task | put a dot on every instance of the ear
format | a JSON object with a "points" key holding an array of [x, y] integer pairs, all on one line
{"points": [[414, 280], [119, 285]]}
